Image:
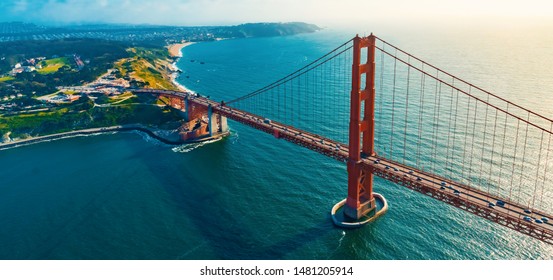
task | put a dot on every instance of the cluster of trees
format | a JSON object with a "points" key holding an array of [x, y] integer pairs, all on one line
{"points": [[100, 54], [81, 114]]}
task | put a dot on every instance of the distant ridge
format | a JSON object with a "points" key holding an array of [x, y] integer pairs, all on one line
{"points": [[154, 34], [274, 29]]}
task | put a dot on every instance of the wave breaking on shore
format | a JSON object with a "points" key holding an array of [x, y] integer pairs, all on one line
{"points": [[175, 50]]}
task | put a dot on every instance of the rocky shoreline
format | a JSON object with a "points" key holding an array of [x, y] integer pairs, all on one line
{"points": [[170, 137], [164, 136], [175, 51]]}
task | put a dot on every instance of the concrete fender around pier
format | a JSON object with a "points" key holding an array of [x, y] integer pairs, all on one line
{"points": [[359, 223]]}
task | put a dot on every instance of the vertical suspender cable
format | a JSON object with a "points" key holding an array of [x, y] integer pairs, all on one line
{"points": [[434, 122], [345, 74], [272, 108], [313, 90], [466, 138], [493, 151], [473, 140], [546, 164], [380, 96], [514, 161], [523, 159], [406, 112], [393, 109], [449, 126], [455, 130], [503, 149], [299, 110], [437, 124], [292, 109], [285, 107], [485, 132], [279, 108], [323, 93], [537, 171], [421, 113]]}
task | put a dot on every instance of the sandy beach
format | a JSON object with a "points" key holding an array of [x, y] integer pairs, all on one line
{"points": [[175, 49]]}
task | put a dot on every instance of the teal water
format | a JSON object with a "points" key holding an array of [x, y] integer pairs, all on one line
{"points": [[250, 196]]}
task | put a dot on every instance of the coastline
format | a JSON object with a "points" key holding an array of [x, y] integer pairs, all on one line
{"points": [[89, 131], [175, 50]]}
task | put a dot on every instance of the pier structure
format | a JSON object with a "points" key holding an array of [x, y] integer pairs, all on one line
{"points": [[200, 123]]}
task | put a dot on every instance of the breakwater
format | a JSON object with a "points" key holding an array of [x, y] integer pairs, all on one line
{"points": [[90, 131]]}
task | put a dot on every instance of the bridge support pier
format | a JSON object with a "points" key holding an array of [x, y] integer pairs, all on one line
{"points": [[217, 123], [360, 201], [361, 205], [186, 109]]}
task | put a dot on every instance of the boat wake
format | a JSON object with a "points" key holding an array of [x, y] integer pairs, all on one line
{"points": [[234, 137], [192, 146], [341, 238], [339, 244]]}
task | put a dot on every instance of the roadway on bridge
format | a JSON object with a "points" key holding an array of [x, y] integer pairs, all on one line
{"points": [[510, 214]]}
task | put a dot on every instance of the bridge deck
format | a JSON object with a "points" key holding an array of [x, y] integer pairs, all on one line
{"points": [[511, 214]]}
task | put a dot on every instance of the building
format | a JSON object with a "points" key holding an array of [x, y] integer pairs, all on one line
{"points": [[17, 70]]}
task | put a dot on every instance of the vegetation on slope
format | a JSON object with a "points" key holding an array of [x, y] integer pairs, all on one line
{"points": [[50, 66], [59, 69], [83, 114], [147, 67]]}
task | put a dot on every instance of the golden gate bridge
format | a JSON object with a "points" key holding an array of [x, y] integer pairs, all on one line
{"points": [[387, 113]]}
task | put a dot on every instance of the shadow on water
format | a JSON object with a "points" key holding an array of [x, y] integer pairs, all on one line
{"points": [[180, 206], [226, 232], [43, 211], [53, 241]]}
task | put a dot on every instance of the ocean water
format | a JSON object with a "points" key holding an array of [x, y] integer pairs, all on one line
{"points": [[250, 196]]}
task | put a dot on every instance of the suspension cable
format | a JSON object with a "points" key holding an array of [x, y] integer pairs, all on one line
{"points": [[463, 81], [296, 73]]}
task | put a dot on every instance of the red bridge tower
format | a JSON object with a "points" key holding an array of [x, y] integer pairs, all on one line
{"points": [[361, 205]]}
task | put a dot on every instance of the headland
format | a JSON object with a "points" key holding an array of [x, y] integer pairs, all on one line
{"points": [[68, 87]]}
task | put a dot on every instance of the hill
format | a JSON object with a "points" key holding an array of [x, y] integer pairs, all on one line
{"points": [[144, 35]]}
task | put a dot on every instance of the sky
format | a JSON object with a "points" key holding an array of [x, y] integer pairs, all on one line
{"points": [[321, 12]]}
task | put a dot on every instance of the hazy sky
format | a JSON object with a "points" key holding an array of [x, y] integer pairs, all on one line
{"points": [[322, 12]]}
